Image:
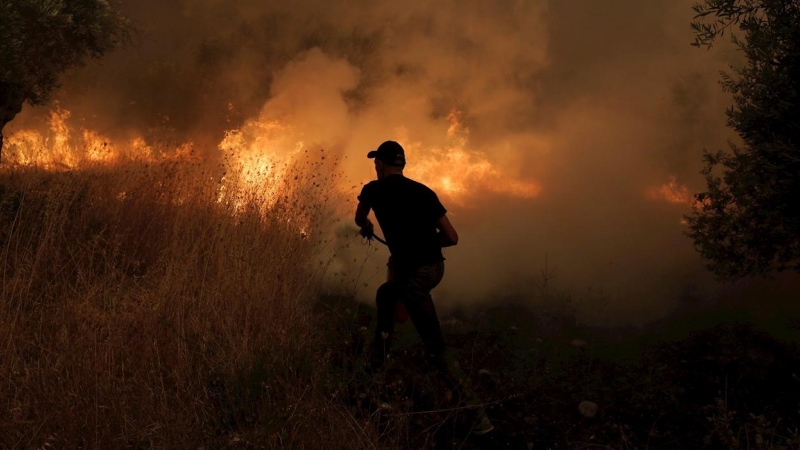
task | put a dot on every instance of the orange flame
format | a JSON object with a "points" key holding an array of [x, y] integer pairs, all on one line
{"points": [[458, 173], [258, 154], [61, 147]]}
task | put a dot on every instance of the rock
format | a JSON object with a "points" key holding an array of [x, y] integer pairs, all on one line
{"points": [[587, 409]]}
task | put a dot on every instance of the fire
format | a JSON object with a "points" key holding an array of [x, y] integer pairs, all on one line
{"points": [[99, 150], [671, 192], [458, 173], [258, 156], [51, 150], [61, 147]]}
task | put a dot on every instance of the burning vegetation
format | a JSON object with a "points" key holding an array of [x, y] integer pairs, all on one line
{"points": [[175, 271], [160, 277], [153, 290], [258, 154]]}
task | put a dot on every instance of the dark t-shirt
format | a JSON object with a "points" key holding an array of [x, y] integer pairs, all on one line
{"points": [[407, 212]]}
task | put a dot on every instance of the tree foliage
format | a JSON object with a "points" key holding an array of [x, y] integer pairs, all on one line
{"points": [[747, 222], [41, 39]]}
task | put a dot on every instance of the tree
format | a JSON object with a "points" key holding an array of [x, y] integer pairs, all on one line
{"points": [[747, 222], [41, 39]]}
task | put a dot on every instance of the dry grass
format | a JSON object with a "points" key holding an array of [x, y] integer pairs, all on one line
{"points": [[139, 307]]}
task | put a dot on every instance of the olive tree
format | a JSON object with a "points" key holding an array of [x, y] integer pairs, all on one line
{"points": [[747, 221], [41, 39]]}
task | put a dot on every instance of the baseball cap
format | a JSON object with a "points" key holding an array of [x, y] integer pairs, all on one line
{"points": [[390, 152]]}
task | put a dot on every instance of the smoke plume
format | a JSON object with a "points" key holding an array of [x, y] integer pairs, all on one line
{"points": [[561, 133]]}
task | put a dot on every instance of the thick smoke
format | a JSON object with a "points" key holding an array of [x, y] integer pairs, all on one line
{"points": [[598, 103]]}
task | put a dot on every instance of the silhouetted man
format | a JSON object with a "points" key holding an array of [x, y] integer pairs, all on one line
{"points": [[416, 227]]}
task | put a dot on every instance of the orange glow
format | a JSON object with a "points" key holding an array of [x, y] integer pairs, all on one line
{"points": [[51, 150], [61, 147], [98, 148], [257, 156], [457, 173], [671, 192]]}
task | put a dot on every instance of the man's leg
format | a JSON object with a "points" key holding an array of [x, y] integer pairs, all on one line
{"points": [[419, 304], [385, 300], [423, 316]]}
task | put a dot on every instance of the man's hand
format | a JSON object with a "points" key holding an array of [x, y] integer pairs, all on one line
{"points": [[367, 229]]}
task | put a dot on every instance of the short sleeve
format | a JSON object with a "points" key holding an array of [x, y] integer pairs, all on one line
{"points": [[436, 208], [367, 194]]}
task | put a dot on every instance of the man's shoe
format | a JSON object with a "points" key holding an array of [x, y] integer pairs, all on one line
{"points": [[482, 424]]}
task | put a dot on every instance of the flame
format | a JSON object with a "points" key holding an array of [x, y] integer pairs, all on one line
{"points": [[671, 192], [50, 150], [458, 173], [258, 155], [99, 150], [60, 147]]}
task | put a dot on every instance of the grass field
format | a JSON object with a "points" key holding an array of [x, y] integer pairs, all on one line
{"points": [[142, 306]]}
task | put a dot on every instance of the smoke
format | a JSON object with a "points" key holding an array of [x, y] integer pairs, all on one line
{"points": [[595, 103]]}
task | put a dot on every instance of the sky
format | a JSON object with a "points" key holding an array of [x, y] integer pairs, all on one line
{"points": [[559, 134]]}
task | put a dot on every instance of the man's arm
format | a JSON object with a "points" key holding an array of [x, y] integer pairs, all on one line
{"points": [[447, 234], [362, 211]]}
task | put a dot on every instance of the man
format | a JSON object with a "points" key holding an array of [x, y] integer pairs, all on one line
{"points": [[416, 227]]}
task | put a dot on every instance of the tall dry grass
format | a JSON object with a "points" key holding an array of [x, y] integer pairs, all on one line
{"points": [[143, 306]]}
